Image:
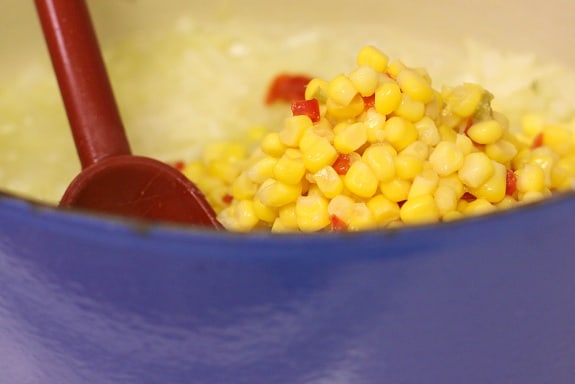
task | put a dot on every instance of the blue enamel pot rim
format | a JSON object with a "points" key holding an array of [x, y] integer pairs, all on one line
{"points": [[177, 239]]}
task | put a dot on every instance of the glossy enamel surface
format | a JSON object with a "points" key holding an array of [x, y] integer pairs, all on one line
{"points": [[87, 301]]}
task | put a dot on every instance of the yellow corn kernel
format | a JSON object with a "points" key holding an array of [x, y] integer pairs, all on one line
{"points": [[410, 109], [374, 123], [323, 128], [531, 196], [342, 207], [339, 127], [275, 194], [464, 143], [493, 190], [371, 56], [311, 213], [563, 174], [464, 100], [479, 207], [317, 152], [400, 132], [195, 170], [243, 188], [254, 156], [262, 169], [530, 178], [546, 192], [272, 145], [309, 140], [502, 151], [461, 205], [223, 150], [395, 224], [419, 210], [434, 108], [239, 217], [395, 190], [341, 90], [365, 79], [216, 198], [558, 138], [417, 149], [387, 98], [507, 203], [452, 216], [394, 68], [290, 168], [288, 216], [423, 73], [427, 131], [517, 139], [532, 124], [424, 183], [545, 158], [292, 153], [452, 181], [477, 168], [293, 129], [446, 133], [224, 170], [383, 210], [522, 158], [446, 158], [341, 112], [361, 180], [415, 85], [317, 89], [502, 120], [279, 227], [407, 167], [329, 182], [381, 160], [263, 212], [485, 132], [209, 184], [313, 190], [361, 219], [568, 163], [445, 199], [350, 137]]}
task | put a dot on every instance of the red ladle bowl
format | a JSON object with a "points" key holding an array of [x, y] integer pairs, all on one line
{"points": [[112, 180]]}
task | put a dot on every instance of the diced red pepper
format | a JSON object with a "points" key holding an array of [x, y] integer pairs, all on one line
{"points": [[341, 164], [227, 199], [537, 141], [369, 101], [337, 224], [468, 125], [179, 165], [510, 183], [469, 197], [287, 88], [306, 107]]}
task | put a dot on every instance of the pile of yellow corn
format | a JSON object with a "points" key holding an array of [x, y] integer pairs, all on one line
{"points": [[387, 149]]}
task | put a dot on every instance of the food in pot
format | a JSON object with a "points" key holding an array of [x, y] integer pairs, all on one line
{"points": [[381, 147], [194, 94]]}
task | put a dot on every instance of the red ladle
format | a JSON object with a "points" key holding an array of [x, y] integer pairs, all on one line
{"points": [[112, 180]]}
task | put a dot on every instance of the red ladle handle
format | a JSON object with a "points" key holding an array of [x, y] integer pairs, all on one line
{"points": [[83, 80]]}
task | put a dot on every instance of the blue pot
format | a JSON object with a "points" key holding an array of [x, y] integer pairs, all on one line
{"points": [[95, 300]]}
